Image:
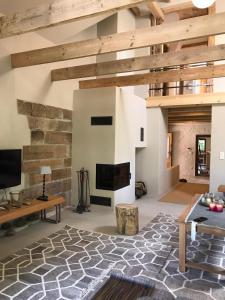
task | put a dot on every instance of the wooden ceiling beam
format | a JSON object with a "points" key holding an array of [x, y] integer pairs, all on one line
{"points": [[59, 11], [186, 100], [190, 109], [183, 118], [196, 45], [211, 11], [189, 114], [190, 118], [156, 77], [156, 10], [136, 11], [143, 37], [170, 59], [177, 7], [173, 121]]}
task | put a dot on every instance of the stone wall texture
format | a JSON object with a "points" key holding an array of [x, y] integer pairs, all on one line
{"points": [[51, 142], [183, 152]]}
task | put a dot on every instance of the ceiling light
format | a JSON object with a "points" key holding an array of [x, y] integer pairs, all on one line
{"points": [[203, 3]]}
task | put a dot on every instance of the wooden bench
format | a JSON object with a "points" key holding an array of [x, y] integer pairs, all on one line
{"points": [[34, 207]]}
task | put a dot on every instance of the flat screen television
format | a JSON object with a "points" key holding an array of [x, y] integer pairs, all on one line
{"points": [[10, 168]]}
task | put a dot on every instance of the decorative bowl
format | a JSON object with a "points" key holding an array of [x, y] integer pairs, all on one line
{"points": [[206, 201]]}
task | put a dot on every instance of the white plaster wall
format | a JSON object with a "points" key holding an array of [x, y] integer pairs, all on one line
{"points": [[219, 83], [14, 131], [34, 83], [130, 117], [147, 158], [184, 137], [126, 22], [218, 116], [107, 144], [107, 27], [31, 84], [142, 90], [218, 145], [92, 144], [151, 161]]}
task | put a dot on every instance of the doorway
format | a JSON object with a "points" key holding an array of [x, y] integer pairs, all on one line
{"points": [[202, 158], [169, 161]]}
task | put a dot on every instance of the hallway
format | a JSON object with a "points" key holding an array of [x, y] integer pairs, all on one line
{"points": [[184, 192]]}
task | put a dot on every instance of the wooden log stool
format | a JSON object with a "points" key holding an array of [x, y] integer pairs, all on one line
{"points": [[127, 219]]}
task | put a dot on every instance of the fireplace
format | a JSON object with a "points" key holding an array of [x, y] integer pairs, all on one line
{"points": [[112, 177]]}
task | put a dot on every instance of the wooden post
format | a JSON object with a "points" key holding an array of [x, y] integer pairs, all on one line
{"points": [[127, 219], [182, 247]]}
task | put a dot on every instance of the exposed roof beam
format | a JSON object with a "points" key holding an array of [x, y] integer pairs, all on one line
{"points": [[185, 120], [156, 10], [59, 11], [211, 11], [189, 114], [183, 110], [170, 59], [143, 37], [136, 11], [177, 7], [186, 100], [195, 45], [191, 117], [156, 77]]}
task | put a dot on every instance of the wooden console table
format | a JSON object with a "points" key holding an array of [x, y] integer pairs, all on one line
{"points": [[34, 207], [185, 226]]}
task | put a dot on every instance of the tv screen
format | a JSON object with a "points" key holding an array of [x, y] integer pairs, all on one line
{"points": [[10, 168]]}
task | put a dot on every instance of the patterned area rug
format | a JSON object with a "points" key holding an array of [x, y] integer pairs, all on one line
{"points": [[75, 264]]}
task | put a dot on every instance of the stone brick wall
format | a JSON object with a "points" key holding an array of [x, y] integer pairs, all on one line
{"points": [[51, 142]]}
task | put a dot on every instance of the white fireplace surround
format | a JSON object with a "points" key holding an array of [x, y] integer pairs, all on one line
{"points": [[106, 144]]}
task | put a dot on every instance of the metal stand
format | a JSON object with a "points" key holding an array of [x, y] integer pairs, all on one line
{"points": [[57, 215], [83, 191]]}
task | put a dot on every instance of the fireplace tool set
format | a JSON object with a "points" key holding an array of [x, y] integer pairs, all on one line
{"points": [[83, 191]]}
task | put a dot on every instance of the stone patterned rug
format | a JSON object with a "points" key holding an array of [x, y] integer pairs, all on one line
{"points": [[74, 264]]}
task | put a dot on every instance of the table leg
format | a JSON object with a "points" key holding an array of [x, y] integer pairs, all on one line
{"points": [[57, 215], [59, 211], [182, 247]]}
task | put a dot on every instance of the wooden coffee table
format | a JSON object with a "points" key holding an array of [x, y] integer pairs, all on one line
{"points": [[185, 226], [34, 207]]}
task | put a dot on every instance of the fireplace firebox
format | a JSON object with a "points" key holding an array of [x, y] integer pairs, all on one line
{"points": [[112, 177]]}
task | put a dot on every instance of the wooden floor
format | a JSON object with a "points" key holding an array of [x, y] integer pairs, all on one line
{"points": [[183, 192]]}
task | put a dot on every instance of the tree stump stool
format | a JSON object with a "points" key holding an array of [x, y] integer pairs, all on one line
{"points": [[127, 219]]}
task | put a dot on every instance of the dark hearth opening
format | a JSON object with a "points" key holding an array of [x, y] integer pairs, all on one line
{"points": [[99, 200], [112, 177]]}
